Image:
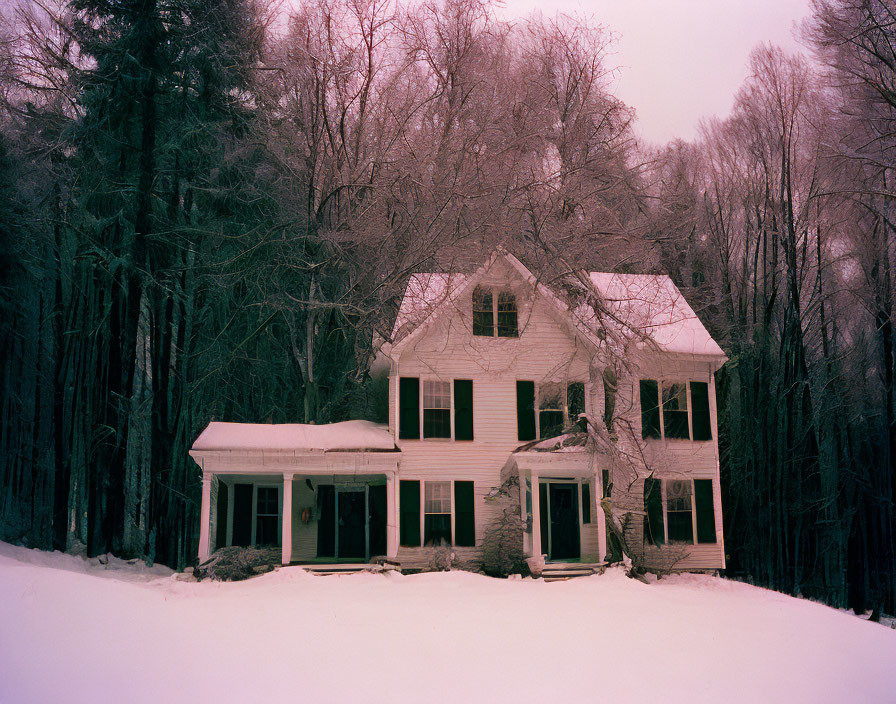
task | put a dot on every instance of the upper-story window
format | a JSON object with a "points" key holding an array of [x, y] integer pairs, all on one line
{"points": [[546, 409], [494, 313], [675, 410], [441, 409]]}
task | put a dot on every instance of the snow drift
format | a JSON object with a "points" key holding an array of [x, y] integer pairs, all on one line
{"points": [[76, 631]]}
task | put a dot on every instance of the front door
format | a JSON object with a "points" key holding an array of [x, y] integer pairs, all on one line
{"points": [[563, 519], [351, 518]]}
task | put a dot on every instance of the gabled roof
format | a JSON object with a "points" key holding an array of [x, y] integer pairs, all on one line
{"points": [[645, 306], [653, 304], [295, 437]]}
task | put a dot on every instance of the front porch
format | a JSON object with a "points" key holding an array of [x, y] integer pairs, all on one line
{"points": [[313, 518], [559, 501], [284, 486]]}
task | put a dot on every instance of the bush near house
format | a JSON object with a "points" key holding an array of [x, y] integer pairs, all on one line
{"points": [[235, 564]]}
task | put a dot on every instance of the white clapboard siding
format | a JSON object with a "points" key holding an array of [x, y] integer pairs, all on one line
{"points": [[547, 349]]}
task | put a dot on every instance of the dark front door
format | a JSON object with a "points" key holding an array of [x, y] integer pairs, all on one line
{"points": [[564, 519], [242, 515], [352, 524]]}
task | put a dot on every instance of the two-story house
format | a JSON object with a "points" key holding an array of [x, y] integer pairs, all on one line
{"points": [[485, 371]]}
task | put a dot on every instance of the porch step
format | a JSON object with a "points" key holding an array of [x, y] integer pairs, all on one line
{"points": [[324, 570], [560, 572]]}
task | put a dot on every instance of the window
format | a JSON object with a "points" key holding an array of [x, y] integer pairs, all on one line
{"points": [[267, 514], [507, 318], [675, 411], [494, 313], [556, 407], [437, 514], [483, 312], [685, 410], [436, 409], [678, 511], [550, 410], [428, 407]]}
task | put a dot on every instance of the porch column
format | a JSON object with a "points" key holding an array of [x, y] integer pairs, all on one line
{"points": [[205, 517], [536, 517], [391, 515], [286, 521], [524, 514]]}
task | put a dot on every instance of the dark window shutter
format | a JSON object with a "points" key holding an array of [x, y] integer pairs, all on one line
{"points": [[706, 513], [700, 406], [575, 401], [586, 502], [463, 409], [654, 529], [464, 515], [409, 499], [409, 408], [607, 488], [326, 520], [525, 410], [376, 507], [543, 516], [650, 410]]}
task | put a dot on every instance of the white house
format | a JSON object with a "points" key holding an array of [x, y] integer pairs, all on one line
{"points": [[484, 369]]}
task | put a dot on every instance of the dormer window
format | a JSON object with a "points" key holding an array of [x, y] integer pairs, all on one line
{"points": [[494, 313]]}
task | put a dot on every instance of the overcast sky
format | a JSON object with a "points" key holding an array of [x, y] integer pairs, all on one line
{"points": [[681, 60]]}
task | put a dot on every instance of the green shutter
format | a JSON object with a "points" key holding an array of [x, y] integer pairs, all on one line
{"points": [[700, 406], [650, 410], [654, 529], [706, 513], [409, 408], [543, 510], [586, 502], [463, 409], [525, 410], [464, 515], [409, 500]]}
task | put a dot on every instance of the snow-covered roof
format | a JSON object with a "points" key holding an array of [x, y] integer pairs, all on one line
{"points": [[424, 293], [650, 305], [653, 304], [348, 435]]}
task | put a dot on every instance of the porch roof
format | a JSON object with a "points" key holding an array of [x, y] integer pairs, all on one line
{"points": [[351, 435]]}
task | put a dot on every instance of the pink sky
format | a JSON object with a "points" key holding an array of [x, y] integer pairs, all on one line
{"points": [[681, 60]]}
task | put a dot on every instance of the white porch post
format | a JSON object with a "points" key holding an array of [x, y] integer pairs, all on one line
{"points": [[205, 517], [524, 515], [536, 517], [286, 521], [391, 515]]}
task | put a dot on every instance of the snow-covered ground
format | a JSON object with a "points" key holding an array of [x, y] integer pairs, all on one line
{"points": [[76, 631]]}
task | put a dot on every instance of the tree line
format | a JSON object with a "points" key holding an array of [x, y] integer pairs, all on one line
{"points": [[210, 210]]}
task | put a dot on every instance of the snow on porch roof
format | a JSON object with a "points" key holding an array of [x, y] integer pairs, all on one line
{"points": [[347, 435]]}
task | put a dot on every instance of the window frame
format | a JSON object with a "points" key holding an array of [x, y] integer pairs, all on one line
{"points": [[494, 293], [664, 496], [564, 403], [255, 487], [426, 483], [661, 385], [452, 497], [424, 408]]}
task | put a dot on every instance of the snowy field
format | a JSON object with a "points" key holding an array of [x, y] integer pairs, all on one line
{"points": [[76, 631]]}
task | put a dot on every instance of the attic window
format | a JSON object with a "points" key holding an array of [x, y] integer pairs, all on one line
{"points": [[494, 313]]}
